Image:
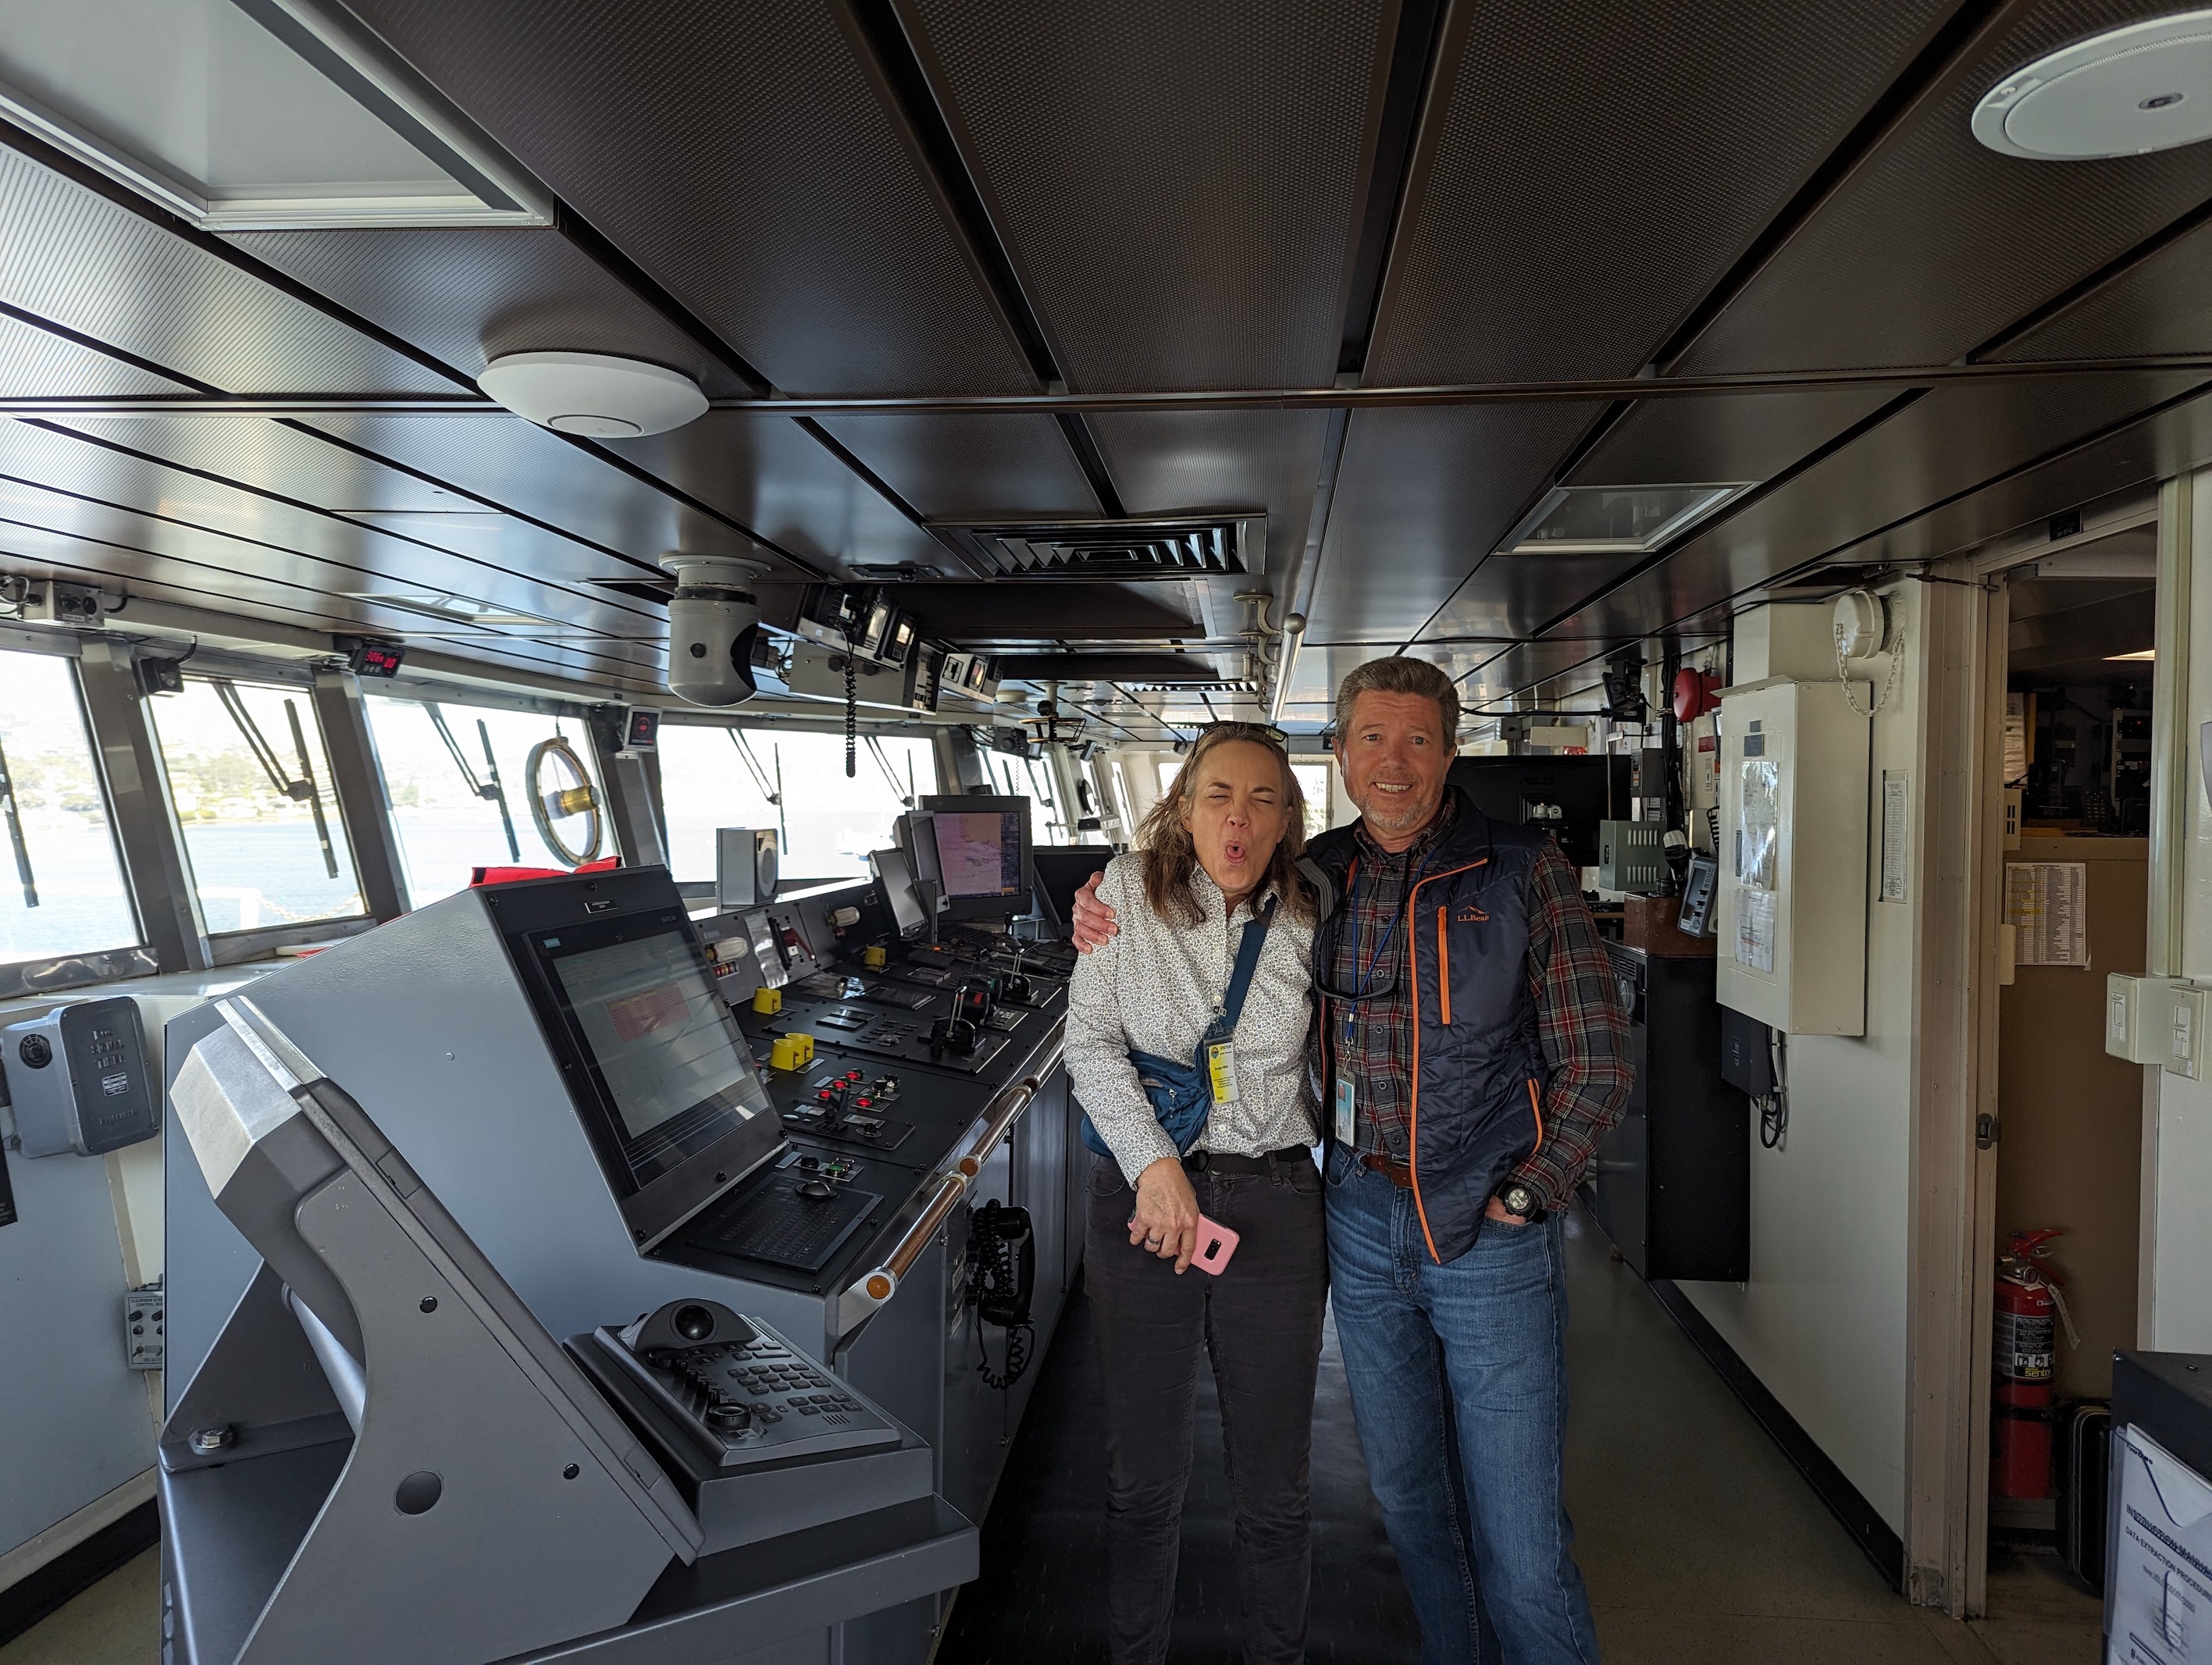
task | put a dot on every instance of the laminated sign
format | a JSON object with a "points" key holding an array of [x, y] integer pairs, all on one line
{"points": [[1758, 832], [2047, 905], [2160, 1571]]}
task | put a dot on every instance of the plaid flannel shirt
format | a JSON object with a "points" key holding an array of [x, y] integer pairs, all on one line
{"points": [[1578, 1020]]}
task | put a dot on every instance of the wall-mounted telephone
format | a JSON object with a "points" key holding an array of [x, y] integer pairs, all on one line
{"points": [[1001, 1280]]}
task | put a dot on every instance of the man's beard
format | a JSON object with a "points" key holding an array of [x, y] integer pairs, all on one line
{"points": [[1412, 812]]}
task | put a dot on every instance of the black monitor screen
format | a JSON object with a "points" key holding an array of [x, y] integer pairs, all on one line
{"points": [[658, 1042], [1568, 795], [979, 852], [917, 835], [894, 883]]}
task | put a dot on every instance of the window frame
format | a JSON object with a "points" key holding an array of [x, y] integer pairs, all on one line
{"points": [[53, 973]]}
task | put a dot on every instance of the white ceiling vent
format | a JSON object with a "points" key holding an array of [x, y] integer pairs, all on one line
{"points": [[592, 394], [2125, 92]]}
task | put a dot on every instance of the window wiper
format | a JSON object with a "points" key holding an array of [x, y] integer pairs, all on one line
{"points": [[15, 835], [905, 795], [302, 791], [491, 789], [773, 793]]}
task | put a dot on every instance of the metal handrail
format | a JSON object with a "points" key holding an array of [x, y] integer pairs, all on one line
{"points": [[872, 1289]]}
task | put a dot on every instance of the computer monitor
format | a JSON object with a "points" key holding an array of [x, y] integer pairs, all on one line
{"points": [[915, 832], [983, 855], [895, 884], [1061, 872], [664, 1083], [1567, 795]]}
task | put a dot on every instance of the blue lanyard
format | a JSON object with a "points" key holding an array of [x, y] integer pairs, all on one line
{"points": [[1383, 945]]}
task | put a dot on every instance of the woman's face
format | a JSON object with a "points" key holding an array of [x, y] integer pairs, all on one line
{"points": [[1235, 813]]}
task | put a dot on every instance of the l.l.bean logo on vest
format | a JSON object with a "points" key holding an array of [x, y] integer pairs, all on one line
{"points": [[1470, 915]]}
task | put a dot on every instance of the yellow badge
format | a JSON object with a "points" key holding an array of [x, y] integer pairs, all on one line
{"points": [[1221, 1064]]}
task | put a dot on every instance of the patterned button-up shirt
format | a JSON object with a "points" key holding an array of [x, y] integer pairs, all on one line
{"points": [[1578, 1020]]}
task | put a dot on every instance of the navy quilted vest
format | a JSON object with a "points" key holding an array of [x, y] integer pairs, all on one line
{"points": [[1478, 1067]]}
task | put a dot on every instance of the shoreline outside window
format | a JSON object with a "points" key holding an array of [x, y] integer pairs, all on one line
{"points": [[826, 824], [454, 808], [57, 846], [251, 785]]}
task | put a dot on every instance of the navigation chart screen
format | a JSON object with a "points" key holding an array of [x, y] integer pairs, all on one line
{"points": [[980, 851]]}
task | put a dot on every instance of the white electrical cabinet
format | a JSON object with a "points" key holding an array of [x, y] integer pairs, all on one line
{"points": [[1793, 893]]}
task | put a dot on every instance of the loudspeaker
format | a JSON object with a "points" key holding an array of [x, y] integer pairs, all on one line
{"points": [[745, 866]]}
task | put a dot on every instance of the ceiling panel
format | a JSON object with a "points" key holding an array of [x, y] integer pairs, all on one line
{"points": [[37, 364], [1177, 183], [2156, 307], [739, 154], [1598, 166], [1052, 610], [507, 461], [1935, 244], [1511, 595], [72, 256], [50, 479], [1951, 441], [977, 468], [468, 294], [1422, 496], [767, 475], [1740, 438]]}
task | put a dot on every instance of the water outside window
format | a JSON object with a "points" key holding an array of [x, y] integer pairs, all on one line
{"points": [[251, 787], [827, 823], [61, 883], [462, 792]]}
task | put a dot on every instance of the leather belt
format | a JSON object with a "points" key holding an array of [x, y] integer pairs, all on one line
{"points": [[1208, 1162], [1397, 1173]]}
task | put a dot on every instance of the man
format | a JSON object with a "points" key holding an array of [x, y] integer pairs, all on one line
{"points": [[1468, 1052]]}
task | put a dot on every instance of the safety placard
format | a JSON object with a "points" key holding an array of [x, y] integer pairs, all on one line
{"points": [[2047, 905]]}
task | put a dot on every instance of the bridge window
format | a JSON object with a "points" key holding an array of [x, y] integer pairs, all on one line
{"points": [[472, 786], [716, 777], [60, 882], [251, 787]]}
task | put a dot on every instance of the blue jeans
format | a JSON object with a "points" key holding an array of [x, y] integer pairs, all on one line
{"points": [[1459, 1384]]}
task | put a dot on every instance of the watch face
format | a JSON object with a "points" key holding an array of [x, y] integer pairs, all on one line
{"points": [[1517, 1199]]}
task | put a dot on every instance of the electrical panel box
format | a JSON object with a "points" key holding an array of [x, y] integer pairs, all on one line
{"points": [[78, 1080], [1794, 835], [2155, 1019], [1630, 856]]}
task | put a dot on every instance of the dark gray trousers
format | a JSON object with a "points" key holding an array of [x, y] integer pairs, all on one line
{"points": [[1261, 1322]]}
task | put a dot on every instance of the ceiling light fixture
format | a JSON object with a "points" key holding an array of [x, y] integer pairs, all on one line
{"points": [[1607, 520], [2125, 92], [246, 115], [592, 394]]}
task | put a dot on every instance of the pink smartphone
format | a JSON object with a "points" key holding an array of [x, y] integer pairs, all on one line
{"points": [[1216, 1244]]}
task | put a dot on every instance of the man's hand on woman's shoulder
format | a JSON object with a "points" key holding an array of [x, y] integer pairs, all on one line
{"points": [[1094, 924]]}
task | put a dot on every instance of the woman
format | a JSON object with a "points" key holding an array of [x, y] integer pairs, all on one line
{"points": [[1216, 851]]}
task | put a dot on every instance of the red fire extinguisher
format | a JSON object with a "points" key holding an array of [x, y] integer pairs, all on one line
{"points": [[2029, 1310]]}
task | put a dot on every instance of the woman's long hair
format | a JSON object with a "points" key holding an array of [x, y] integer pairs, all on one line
{"points": [[1170, 856]]}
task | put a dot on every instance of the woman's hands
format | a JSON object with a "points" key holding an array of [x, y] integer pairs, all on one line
{"points": [[1166, 1220]]}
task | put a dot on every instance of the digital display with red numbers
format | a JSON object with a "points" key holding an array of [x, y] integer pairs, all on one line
{"points": [[377, 659], [642, 730]]}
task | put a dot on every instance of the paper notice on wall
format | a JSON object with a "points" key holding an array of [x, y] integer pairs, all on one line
{"points": [[1896, 822], [2161, 1566], [2015, 739], [1755, 928], [1759, 822], [2047, 905]]}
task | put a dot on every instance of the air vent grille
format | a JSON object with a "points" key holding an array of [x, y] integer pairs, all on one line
{"points": [[1172, 547], [1218, 685]]}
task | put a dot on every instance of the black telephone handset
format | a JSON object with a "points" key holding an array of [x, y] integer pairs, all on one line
{"points": [[1001, 1281]]}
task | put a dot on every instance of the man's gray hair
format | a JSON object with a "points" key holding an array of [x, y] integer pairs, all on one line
{"points": [[1399, 675]]}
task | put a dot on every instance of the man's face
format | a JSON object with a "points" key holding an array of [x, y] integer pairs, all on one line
{"points": [[1394, 754]]}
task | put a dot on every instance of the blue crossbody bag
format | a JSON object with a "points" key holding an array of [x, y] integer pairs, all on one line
{"points": [[1182, 1093]]}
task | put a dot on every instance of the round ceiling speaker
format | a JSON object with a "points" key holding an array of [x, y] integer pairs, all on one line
{"points": [[2144, 87], [591, 393]]}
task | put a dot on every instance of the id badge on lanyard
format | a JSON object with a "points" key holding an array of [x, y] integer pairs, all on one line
{"points": [[1221, 1067], [1347, 1122]]}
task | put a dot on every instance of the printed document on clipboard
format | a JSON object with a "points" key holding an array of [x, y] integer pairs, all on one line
{"points": [[2161, 1576]]}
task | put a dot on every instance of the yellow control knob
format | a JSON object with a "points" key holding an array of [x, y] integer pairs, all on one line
{"points": [[768, 1002], [876, 958], [791, 1052]]}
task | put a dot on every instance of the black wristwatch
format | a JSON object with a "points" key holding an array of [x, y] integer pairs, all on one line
{"points": [[1519, 1200]]}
